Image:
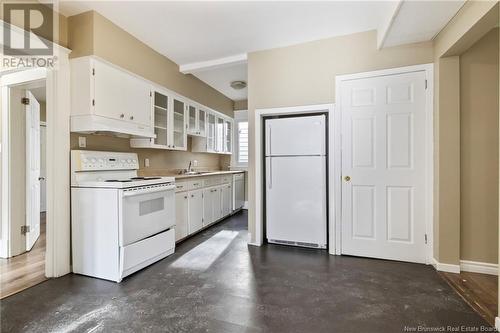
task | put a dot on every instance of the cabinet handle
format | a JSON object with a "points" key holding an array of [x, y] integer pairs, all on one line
{"points": [[131, 117], [185, 197], [192, 195], [122, 115]]}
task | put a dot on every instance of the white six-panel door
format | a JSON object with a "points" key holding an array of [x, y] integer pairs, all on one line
{"points": [[383, 167], [32, 170]]}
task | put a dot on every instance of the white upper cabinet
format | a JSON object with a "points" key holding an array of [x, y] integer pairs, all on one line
{"points": [[107, 98], [219, 135], [169, 123], [179, 124], [196, 120], [210, 145], [228, 136]]}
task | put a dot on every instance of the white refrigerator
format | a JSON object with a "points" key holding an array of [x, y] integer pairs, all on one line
{"points": [[296, 182]]}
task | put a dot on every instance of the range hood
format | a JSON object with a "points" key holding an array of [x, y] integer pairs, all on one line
{"points": [[92, 124]]}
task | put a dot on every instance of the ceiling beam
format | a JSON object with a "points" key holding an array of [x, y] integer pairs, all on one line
{"points": [[213, 64], [382, 33]]}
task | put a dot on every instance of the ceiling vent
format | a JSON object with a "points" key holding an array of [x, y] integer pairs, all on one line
{"points": [[238, 85]]}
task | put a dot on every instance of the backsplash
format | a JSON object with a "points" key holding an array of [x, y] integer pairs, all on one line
{"points": [[159, 159]]}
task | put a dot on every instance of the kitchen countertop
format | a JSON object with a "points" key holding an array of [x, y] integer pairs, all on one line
{"points": [[169, 173]]}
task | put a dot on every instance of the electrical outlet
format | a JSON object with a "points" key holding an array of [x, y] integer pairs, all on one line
{"points": [[195, 163], [146, 162], [82, 142]]}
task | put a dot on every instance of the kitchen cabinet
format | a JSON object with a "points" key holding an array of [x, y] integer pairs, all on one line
{"points": [[226, 199], [219, 135], [212, 205], [107, 98], [196, 120], [169, 123], [202, 201], [195, 214], [179, 125], [181, 215], [210, 143], [228, 136]]}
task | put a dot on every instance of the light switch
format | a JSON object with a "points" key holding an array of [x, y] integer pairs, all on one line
{"points": [[146, 162], [82, 142]]}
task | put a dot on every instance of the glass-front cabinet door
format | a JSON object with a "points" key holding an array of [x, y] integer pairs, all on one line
{"points": [[219, 135], [202, 115], [228, 134], [210, 120], [192, 119], [179, 125], [160, 105]]}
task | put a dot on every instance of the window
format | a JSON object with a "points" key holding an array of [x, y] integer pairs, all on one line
{"points": [[240, 156], [242, 142]]}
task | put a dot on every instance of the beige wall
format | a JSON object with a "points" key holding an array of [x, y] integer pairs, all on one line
{"points": [[92, 34], [241, 105], [305, 74], [474, 20], [479, 92], [160, 160]]}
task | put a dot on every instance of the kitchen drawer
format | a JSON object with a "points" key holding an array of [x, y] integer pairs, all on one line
{"points": [[181, 186], [239, 176], [143, 253], [211, 181], [195, 184], [226, 179]]}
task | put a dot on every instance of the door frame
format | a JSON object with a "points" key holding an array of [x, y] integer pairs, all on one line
{"points": [[428, 69], [333, 165], [57, 258]]}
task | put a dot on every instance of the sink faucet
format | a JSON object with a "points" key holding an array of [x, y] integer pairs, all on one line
{"points": [[189, 167]]}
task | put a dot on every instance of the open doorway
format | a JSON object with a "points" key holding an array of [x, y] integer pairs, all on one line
{"points": [[23, 244]]}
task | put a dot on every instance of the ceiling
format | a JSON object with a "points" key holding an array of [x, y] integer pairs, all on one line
{"points": [[205, 37], [39, 93], [419, 21]]}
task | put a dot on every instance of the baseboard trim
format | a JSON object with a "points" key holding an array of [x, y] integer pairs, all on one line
{"points": [[497, 323], [442, 267], [478, 267]]}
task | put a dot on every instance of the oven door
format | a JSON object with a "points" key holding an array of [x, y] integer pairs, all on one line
{"points": [[146, 211]]}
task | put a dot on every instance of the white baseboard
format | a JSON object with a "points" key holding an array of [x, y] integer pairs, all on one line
{"points": [[478, 267], [497, 323], [442, 267], [245, 205]]}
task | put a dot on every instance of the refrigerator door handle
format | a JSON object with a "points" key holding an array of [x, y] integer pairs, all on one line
{"points": [[270, 138], [270, 173]]}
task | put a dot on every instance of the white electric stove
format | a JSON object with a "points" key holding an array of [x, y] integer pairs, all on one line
{"points": [[121, 222]]}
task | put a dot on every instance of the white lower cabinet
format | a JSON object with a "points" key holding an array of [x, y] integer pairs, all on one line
{"points": [[226, 198], [212, 205], [208, 207], [195, 210], [181, 215], [201, 202]]}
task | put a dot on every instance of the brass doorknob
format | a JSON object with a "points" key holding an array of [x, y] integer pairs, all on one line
{"points": [[347, 178]]}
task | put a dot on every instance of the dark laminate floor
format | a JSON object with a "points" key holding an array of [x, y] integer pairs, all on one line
{"points": [[216, 283]]}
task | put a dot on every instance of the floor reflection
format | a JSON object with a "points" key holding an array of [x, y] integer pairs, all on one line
{"points": [[204, 255]]}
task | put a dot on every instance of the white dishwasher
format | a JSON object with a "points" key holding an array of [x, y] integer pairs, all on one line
{"points": [[238, 191]]}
